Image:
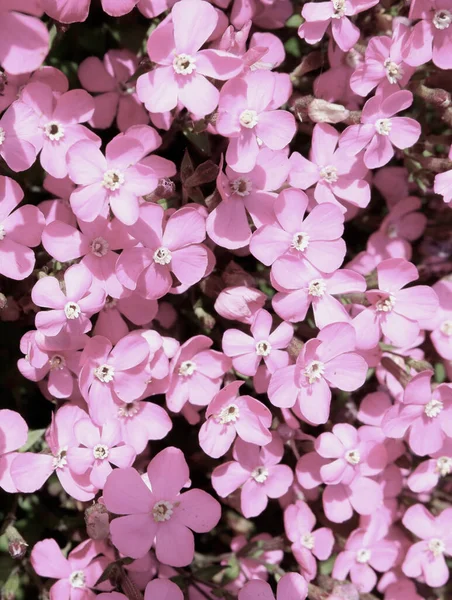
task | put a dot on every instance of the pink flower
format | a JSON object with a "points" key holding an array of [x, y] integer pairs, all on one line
{"points": [[228, 225], [18, 126], [307, 545], [294, 238], [426, 558], [95, 242], [116, 97], [325, 361], [110, 376], [158, 514], [336, 175], [197, 373], [24, 39], [13, 435], [365, 551], [319, 15], [58, 123], [430, 37], [292, 586], [394, 311], [383, 65], [441, 323], [380, 130], [141, 422], [55, 358], [229, 415], [99, 446], [20, 228], [74, 11], [30, 471], [240, 303], [247, 115], [425, 415], [247, 351], [428, 473], [76, 574], [443, 183], [116, 180], [302, 286], [157, 588], [172, 246], [257, 471], [181, 70], [70, 310]]}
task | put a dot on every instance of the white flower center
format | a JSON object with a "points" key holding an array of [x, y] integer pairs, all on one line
{"points": [[444, 465], [394, 72], [339, 9], [383, 126], [187, 368], [2, 232], [317, 288], [329, 174], [54, 131], [436, 547], [442, 19], [77, 579], [59, 459], [314, 371], [363, 556], [57, 362], [249, 118], [104, 373], [307, 540], [184, 64], [162, 511], [353, 457], [2, 135], [162, 256], [385, 304], [72, 310], [433, 408], [446, 328], [300, 241], [241, 186], [229, 414], [100, 451], [263, 348], [260, 474], [99, 247], [113, 179], [129, 410]]}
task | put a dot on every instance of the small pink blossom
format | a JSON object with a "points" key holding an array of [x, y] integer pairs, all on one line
{"points": [[13, 435], [20, 229], [380, 130], [395, 312], [429, 473], [425, 415], [142, 421], [169, 247], [427, 557], [75, 11], [72, 308], [182, 69], [116, 97], [257, 472], [18, 127], [229, 415], [248, 115], [328, 360], [307, 545], [158, 514], [443, 183]]}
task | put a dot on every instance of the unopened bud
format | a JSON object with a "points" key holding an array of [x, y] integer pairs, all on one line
{"points": [[321, 111], [3, 301], [97, 522], [240, 303], [17, 546]]}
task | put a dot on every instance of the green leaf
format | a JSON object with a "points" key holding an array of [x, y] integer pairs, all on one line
{"points": [[440, 373], [294, 21], [292, 47], [34, 436]]}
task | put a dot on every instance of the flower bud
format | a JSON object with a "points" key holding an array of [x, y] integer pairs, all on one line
{"points": [[321, 111], [97, 523], [17, 546], [240, 303]]}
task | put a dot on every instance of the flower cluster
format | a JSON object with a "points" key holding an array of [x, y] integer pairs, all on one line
{"points": [[224, 286]]}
